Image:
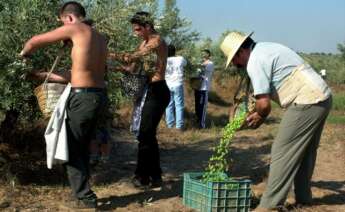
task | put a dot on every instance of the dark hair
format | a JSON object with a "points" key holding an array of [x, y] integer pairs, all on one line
{"points": [[171, 50], [208, 52], [142, 18], [72, 7], [248, 43]]}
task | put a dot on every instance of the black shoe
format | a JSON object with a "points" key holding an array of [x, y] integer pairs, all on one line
{"points": [[80, 204], [156, 182], [140, 182]]}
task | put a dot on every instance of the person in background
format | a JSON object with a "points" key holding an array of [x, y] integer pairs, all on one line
{"points": [[278, 73], [101, 143], [201, 94], [323, 73], [174, 114]]}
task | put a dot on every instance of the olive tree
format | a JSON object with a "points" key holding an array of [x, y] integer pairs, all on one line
{"points": [[19, 20]]}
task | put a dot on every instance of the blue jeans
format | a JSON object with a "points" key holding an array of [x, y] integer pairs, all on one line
{"points": [[175, 108]]}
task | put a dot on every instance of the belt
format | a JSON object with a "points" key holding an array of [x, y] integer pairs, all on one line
{"points": [[87, 90]]}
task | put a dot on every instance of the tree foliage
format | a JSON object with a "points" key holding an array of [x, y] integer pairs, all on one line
{"points": [[341, 48], [21, 19]]}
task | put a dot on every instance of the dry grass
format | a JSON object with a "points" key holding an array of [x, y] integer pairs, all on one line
{"points": [[184, 152]]}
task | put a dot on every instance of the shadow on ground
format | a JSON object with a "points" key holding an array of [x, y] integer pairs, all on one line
{"points": [[181, 158], [214, 98], [338, 198]]}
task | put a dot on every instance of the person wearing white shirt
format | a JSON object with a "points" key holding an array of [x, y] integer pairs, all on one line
{"points": [[174, 113], [201, 95], [323, 73]]}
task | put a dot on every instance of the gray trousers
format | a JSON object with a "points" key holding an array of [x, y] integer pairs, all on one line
{"points": [[294, 152]]}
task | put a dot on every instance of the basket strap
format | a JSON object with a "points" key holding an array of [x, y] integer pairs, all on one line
{"points": [[57, 59]]}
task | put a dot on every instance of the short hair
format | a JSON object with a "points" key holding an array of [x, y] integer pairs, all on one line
{"points": [[171, 50], [208, 52], [72, 7], [142, 18]]}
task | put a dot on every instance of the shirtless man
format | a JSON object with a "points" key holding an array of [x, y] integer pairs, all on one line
{"points": [[87, 98], [152, 54]]}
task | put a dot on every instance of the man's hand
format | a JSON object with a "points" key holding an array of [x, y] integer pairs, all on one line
{"points": [[254, 120], [127, 58], [262, 109], [24, 55]]}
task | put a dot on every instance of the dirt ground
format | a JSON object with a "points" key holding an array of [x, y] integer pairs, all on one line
{"points": [[45, 190]]}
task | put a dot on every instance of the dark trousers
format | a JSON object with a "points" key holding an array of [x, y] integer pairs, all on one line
{"points": [[82, 112], [201, 99], [157, 99]]}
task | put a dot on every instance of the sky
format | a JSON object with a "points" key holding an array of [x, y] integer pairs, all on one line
{"points": [[303, 25]]}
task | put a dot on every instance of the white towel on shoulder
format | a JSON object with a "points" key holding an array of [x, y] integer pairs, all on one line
{"points": [[56, 132]]}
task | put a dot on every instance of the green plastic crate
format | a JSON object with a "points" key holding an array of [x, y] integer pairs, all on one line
{"points": [[225, 196]]}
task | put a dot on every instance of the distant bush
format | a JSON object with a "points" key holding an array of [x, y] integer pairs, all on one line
{"points": [[338, 101], [333, 63]]}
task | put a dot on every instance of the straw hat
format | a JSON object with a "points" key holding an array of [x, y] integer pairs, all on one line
{"points": [[232, 43]]}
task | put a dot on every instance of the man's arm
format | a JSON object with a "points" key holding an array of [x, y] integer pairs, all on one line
{"points": [[60, 34], [116, 56], [262, 109], [125, 68], [65, 77], [151, 46]]}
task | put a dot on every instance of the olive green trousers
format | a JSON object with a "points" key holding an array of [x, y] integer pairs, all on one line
{"points": [[293, 153]]}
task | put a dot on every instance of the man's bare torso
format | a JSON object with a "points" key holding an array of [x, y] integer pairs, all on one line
{"points": [[88, 55], [158, 47]]}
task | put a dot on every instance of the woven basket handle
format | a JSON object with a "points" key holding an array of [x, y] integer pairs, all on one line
{"points": [[57, 59]]}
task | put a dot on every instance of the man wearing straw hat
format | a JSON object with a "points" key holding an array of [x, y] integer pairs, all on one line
{"points": [[87, 97], [280, 74]]}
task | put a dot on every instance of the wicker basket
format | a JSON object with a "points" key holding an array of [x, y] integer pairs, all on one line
{"points": [[48, 95]]}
